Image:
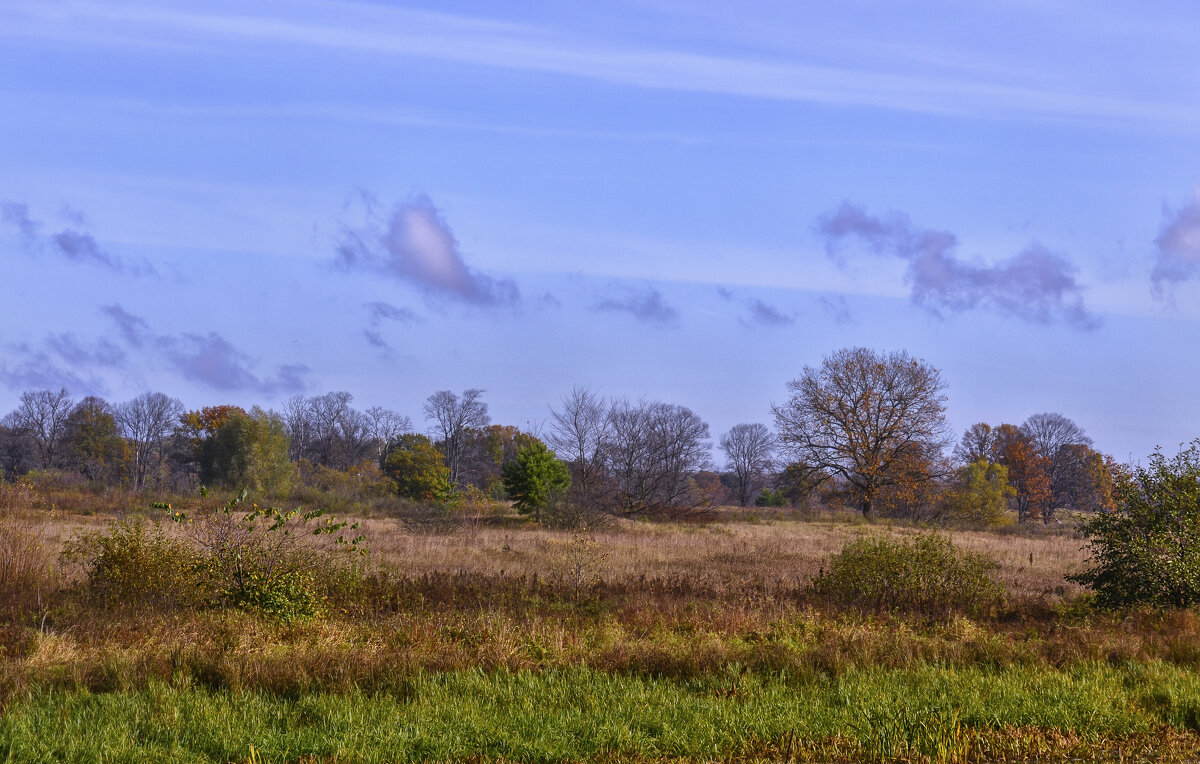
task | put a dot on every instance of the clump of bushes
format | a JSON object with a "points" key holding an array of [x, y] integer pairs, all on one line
{"points": [[283, 564], [927, 576]]}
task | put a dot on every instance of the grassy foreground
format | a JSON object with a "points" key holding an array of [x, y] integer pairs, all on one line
{"points": [[927, 713]]}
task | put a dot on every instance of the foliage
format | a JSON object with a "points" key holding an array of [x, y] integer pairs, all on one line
{"points": [[927, 576], [417, 468], [247, 450], [91, 442], [1147, 552], [535, 479], [981, 494], [870, 418], [769, 498]]}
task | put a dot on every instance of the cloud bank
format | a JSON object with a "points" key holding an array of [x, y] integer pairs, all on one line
{"points": [[1035, 285], [413, 244]]}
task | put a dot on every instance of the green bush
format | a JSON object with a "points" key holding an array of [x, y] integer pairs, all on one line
{"points": [[1147, 552], [133, 563], [927, 576], [769, 498]]}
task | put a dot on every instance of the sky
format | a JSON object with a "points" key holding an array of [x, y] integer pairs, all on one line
{"points": [[237, 202]]}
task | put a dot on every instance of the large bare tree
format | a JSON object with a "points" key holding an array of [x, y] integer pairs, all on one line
{"points": [[384, 426], [146, 423], [869, 418], [43, 416], [749, 450], [453, 418], [653, 454], [578, 433]]}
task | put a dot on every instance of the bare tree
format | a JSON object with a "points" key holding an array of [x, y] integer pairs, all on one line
{"points": [[453, 420], [1066, 446], [870, 418], [384, 426], [749, 449], [578, 434], [43, 416], [16, 448], [978, 443], [299, 420], [146, 423], [1051, 431], [327, 430], [654, 451]]}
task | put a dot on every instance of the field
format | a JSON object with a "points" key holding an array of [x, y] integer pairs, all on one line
{"points": [[488, 637]]}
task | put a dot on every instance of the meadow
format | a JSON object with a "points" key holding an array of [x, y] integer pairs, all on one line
{"points": [[482, 636]]}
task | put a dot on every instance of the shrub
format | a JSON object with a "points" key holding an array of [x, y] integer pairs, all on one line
{"points": [[769, 498], [136, 564], [1147, 552], [267, 559], [927, 576]]}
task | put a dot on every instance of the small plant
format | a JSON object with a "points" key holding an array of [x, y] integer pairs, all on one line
{"points": [[581, 563], [927, 576]]}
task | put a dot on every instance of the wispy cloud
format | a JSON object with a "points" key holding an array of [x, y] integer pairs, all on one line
{"points": [[133, 329], [837, 309], [28, 367], [377, 313], [413, 244], [382, 311], [647, 306], [208, 359], [960, 90], [1034, 285], [759, 313], [72, 243], [1177, 248]]}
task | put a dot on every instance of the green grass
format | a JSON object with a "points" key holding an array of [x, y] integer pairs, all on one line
{"points": [[926, 713]]}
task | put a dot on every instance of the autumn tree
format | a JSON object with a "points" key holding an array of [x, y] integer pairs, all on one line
{"points": [[1028, 473], [453, 418], [417, 468], [981, 493], [247, 450], [861, 416], [749, 451], [91, 443], [1066, 446]]}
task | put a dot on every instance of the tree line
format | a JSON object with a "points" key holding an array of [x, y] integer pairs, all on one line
{"points": [[863, 429]]}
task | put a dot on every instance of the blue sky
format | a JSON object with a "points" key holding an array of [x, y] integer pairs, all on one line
{"points": [[236, 202]]}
